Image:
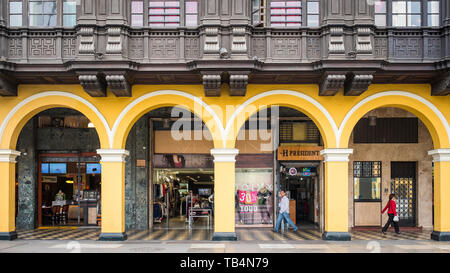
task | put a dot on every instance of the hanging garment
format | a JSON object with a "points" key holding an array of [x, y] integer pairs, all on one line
{"points": [[157, 212]]}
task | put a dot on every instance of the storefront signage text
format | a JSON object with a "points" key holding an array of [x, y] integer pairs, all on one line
{"points": [[298, 153]]}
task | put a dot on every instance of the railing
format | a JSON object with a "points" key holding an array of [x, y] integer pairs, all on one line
{"points": [[43, 46], [286, 45], [409, 45], [302, 45]]}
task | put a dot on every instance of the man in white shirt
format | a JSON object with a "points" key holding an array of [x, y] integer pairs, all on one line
{"points": [[284, 213]]}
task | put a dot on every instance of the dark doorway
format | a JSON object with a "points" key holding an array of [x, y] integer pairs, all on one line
{"points": [[300, 189], [403, 184]]}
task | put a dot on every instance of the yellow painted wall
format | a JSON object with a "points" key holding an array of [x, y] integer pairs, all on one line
{"points": [[442, 196], [117, 115], [7, 197]]}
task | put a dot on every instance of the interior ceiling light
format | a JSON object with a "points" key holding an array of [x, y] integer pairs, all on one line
{"points": [[372, 120], [91, 125]]}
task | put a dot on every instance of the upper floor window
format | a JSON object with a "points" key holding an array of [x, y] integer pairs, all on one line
{"points": [[256, 12], [285, 13], [433, 13], [164, 13], [407, 13], [15, 13], [137, 13], [313, 13], [380, 12], [42, 13], [69, 13], [191, 12]]}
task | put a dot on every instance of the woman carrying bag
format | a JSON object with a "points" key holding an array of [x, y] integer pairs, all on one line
{"points": [[392, 213]]}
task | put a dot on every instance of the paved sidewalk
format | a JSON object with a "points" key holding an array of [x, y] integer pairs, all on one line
{"points": [[293, 246]]}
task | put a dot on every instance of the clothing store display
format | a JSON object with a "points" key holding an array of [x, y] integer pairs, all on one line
{"points": [[263, 196], [157, 211], [263, 201]]}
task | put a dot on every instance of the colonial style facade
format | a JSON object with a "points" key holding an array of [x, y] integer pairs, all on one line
{"points": [[335, 61]]}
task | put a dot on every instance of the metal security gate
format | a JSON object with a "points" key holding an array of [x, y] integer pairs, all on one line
{"points": [[403, 184]]}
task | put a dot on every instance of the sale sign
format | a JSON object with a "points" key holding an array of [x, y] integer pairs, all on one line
{"points": [[248, 197]]}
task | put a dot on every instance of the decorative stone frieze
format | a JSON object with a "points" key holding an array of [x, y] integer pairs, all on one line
{"points": [[331, 83], [211, 85], [114, 42], [336, 45], [7, 86], [238, 84], [357, 84], [363, 41], [86, 40], [239, 44], [211, 40], [93, 85], [119, 85]]}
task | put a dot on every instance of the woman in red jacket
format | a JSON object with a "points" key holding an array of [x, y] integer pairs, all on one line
{"points": [[391, 206]]}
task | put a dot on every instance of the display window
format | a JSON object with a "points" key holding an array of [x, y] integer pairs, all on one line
{"points": [[183, 198], [254, 197], [367, 180], [69, 190]]}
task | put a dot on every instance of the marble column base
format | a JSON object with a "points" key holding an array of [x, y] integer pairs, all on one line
{"points": [[224, 236], [336, 236], [8, 236], [440, 236], [113, 237]]}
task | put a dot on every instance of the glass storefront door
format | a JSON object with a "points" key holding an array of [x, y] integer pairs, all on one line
{"points": [[254, 197], [69, 190], [403, 185]]}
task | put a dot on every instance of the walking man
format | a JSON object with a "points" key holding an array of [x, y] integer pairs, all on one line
{"points": [[284, 213]]}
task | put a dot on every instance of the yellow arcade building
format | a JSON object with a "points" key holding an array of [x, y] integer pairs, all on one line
{"points": [[335, 117], [184, 114]]}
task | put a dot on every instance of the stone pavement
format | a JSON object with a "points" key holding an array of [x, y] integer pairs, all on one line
{"points": [[254, 234], [206, 246], [86, 246]]}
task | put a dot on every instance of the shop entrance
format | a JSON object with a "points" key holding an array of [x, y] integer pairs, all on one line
{"points": [[300, 182], [182, 171], [58, 175], [403, 184], [183, 199], [69, 189]]}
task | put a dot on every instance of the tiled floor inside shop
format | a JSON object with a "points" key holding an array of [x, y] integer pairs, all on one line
{"points": [[256, 234]]}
